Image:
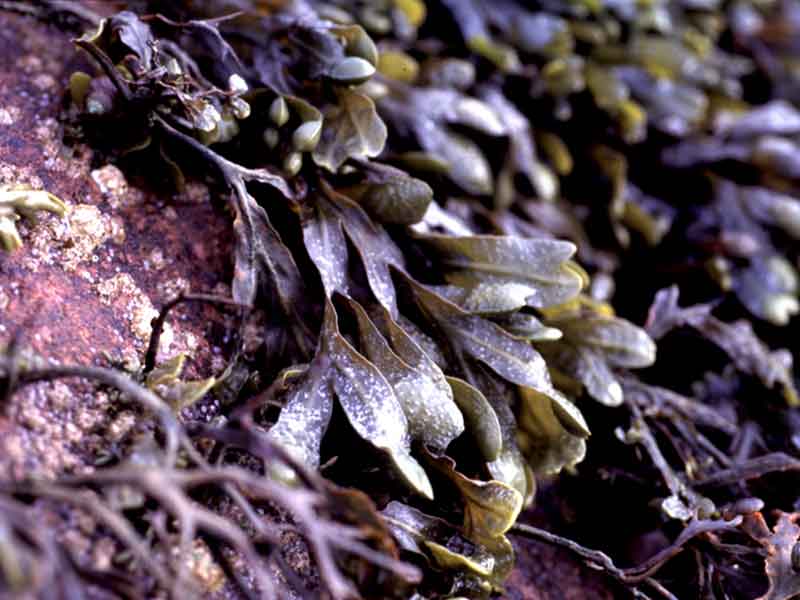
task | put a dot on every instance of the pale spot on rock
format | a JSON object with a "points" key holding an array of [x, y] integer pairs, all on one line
{"points": [[110, 180], [88, 229], [9, 115], [44, 82], [124, 295]]}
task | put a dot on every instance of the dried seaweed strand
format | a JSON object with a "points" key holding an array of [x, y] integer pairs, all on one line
{"points": [[630, 575]]}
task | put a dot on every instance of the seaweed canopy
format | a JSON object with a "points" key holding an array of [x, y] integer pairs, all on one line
{"points": [[289, 124], [407, 214], [286, 122]]}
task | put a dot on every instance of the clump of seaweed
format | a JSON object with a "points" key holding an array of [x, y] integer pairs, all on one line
{"points": [[435, 225], [16, 201]]}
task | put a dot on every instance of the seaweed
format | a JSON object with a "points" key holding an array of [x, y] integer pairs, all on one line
{"points": [[451, 233]]}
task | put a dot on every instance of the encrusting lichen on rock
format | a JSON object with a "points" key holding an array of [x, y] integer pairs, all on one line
{"points": [[137, 308]]}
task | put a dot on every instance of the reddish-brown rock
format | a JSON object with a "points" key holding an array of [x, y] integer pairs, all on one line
{"points": [[84, 287]]}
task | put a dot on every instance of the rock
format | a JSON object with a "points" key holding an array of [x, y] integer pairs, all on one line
{"points": [[84, 288]]}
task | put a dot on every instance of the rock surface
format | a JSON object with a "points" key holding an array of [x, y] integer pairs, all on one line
{"points": [[84, 288]]}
